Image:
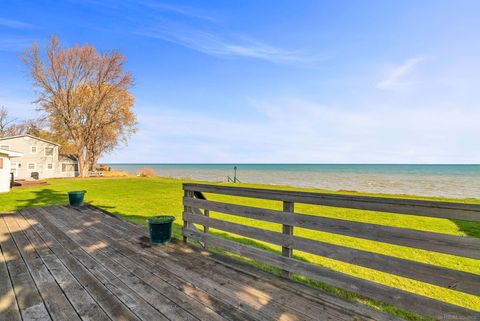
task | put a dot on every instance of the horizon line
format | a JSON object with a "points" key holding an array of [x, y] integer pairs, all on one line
{"points": [[181, 163]]}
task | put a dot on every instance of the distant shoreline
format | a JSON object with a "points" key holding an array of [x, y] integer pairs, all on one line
{"points": [[435, 180], [320, 164]]}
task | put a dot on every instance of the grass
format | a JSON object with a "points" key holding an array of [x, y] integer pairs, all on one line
{"points": [[137, 198]]}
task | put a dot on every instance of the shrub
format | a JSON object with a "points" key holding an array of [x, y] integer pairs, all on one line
{"points": [[147, 172], [104, 168], [115, 173]]}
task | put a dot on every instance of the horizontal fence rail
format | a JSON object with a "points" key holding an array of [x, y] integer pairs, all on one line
{"points": [[458, 211], [197, 211]]}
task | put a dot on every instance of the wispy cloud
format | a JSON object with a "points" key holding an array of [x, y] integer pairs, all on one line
{"points": [[216, 44], [14, 24], [154, 6], [395, 77], [180, 10], [198, 29]]}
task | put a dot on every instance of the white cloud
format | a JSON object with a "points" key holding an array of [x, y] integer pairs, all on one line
{"points": [[180, 10], [304, 132], [395, 77], [199, 30], [218, 44]]}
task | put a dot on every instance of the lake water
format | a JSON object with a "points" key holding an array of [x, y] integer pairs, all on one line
{"points": [[460, 181]]}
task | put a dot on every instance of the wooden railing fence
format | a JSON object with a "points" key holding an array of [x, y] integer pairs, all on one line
{"points": [[195, 201]]}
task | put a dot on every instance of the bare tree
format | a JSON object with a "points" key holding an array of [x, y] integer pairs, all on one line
{"points": [[36, 127], [5, 122], [11, 126], [85, 97]]}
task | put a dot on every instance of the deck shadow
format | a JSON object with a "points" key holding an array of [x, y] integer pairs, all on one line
{"points": [[43, 197], [470, 228]]}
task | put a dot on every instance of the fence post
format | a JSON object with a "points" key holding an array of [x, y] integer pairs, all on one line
{"points": [[205, 228], [287, 251], [186, 209]]}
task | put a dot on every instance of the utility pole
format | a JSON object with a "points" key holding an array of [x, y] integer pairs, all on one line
{"points": [[234, 174]]}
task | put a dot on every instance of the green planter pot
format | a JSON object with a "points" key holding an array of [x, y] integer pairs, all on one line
{"points": [[76, 198], [160, 228]]}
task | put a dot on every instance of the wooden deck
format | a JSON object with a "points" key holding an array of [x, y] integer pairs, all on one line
{"points": [[59, 263]]}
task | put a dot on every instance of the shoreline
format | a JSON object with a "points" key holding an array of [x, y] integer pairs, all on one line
{"points": [[444, 181]]}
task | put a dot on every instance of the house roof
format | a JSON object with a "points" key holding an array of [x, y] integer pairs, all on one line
{"points": [[31, 136], [10, 153], [65, 158]]}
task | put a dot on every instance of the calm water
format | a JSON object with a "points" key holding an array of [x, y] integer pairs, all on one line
{"points": [[429, 180]]}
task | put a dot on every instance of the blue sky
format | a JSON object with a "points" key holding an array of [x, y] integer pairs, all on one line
{"points": [[275, 81]]}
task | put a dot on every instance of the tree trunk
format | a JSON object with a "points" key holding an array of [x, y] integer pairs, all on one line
{"points": [[83, 166], [92, 164]]}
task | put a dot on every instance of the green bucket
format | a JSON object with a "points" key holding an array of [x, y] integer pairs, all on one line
{"points": [[76, 198], [160, 228]]}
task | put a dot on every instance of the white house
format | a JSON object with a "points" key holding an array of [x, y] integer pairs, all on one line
{"points": [[5, 156], [40, 158]]}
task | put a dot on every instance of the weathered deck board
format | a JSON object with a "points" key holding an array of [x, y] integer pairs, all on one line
{"points": [[205, 266], [60, 263], [132, 301], [55, 300], [275, 313], [99, 291], [128, 255], [161, 296], [27, 296], [227, 282], [81, 300], [10, 309]]}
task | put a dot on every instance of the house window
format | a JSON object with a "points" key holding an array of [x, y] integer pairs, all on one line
{"points": [[31, 165], [6, 147], [34, 149], [49, 166], [69, 168], [48, 151]]}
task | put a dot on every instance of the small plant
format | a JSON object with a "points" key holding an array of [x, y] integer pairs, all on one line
{"points": [[161, 219]]}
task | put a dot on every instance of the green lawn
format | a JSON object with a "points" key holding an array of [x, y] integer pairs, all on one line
{"points": [[137, 198]]}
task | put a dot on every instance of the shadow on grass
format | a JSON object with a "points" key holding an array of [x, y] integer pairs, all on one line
{"points": [[141, 219], [470, 228], [43, 197]]}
